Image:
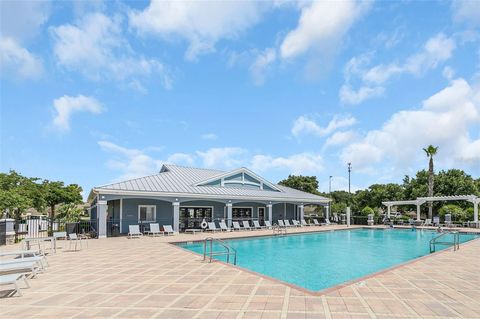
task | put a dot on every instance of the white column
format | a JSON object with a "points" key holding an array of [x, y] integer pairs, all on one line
{"points": [[389, 208], [348, 216], [102, 218], [475, 211], [229, 214], [176, 216], [269, 208], [121, 214], [418, 211], [301, 212], [327, 212]]}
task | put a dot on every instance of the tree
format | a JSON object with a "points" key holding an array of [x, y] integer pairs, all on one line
{"points": [[307, 184], [70, 212], [56, 193], [18, 193], [430, 151], [458, 214], [367, 210]]}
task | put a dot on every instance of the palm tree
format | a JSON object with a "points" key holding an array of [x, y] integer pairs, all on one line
{"points": [[430, 151]]}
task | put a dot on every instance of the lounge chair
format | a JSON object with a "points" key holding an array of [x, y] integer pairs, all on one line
{"points": [[304, 223], [246, 225], [223, 226], [315, 222], [212, 227], [281, 223], [134, 231], [287, 223], [296, 223], [256, 225], [326, 222], [154, 230], [427, 222], [168, 230], [25, 254], [20, 266], [436, 221], [236, 226], [268, 224], [12, 279]]}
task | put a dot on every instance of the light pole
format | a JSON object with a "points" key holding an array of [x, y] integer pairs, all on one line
{"points": [[349, 194], [349, 171], [330, 184]]}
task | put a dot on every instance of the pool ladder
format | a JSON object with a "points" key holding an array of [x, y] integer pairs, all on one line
{"points": [[228, 251], [455, 242], [278, 230]]}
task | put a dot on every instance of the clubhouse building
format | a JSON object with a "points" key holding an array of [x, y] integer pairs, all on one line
{"points": [[183, 197]]}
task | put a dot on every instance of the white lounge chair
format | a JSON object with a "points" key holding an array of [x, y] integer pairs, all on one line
{"points": [[134, 231], [268, 224], [236, 226], [326, 223], [436, 221], [304, 223], [212, 227], [168, 230], [246, 225], [25, 254], [296, 223], [12, 279], [287, 223], [316, 223], [23, 267], [281, 223], [427, 222], [256, 225], [36, 259], [154, 230], [223, 226]]}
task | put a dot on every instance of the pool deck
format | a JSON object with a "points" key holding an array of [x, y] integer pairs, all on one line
{"points": [[150, 278]]}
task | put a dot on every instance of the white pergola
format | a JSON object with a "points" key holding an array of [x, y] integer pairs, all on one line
{"points": [[421, 200]]}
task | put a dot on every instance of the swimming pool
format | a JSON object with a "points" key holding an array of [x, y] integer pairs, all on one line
{"points": [[319, 260]]}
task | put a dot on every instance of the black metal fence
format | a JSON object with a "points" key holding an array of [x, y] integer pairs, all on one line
{"points": [[14, 230]]}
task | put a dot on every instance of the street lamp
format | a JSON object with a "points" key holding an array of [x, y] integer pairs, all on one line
{"points": [[330, 184], [349, 171]]}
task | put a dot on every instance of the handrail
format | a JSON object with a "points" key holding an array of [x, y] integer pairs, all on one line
{"points": [[455, 243], [279, 230], [228, 250]]}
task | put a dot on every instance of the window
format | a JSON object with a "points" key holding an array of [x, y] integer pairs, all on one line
{"points": [[147, 213]]}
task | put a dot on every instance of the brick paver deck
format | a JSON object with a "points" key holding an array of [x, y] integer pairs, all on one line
{"points": [[149, 278]]}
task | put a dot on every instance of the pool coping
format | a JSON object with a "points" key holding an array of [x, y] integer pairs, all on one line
{"points": [[329, 289]]}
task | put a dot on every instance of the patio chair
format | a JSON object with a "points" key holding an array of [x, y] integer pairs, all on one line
{"points": [[304, 223], [268, 224], [296, 223], [436, 221], [20, 266], [281, 223], [256, 225], [316, 223], [287, 223], [168, 230], [246, 225], [21, 254], [154, 230], [134, 231], [427, 222], [74, 238], [212, 227], [236, 226], [223, 226], [13, 279], [448, 220]]}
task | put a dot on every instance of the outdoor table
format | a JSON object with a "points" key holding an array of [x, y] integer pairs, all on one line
{"points": [[38, 240], [193, 231]]}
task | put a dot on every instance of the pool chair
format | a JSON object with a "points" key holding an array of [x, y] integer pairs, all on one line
{"points": [[13, 279], [21, 254], [246, 225], [168, 230], [134, 231], [154, 230], [281, 223], [296, 223], [31, 268], [212, 227], [256, 225], [268, 224], [287, 223], [436, 221], [315, 222], [427, 222], [236, 226], [223, 226], [304, 223]]}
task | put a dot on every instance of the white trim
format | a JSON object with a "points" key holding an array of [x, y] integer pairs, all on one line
{"points": [[154, 212], [121, 214], [264, 212]]}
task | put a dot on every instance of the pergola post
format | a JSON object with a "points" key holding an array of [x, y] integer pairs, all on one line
{"points": [[229, 214], [300, 212], [418, 211], [475, 211], [327, 212], [389, 208]]}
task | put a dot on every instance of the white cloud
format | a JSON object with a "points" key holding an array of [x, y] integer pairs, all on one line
{"points": [[262, 64], [222, 157], [22, 20], [447, 119], [181, 158], [322, 24], [303, 163], [95, 47], [448, 73], [209, 136], [201, 24], [466, 11], [436, 50], [305, 125], [18, 62], [66, 105], [339, 138]]}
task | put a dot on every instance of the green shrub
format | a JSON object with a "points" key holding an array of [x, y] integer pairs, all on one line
{"points": [[469, 213], [458, 214], [367, 211]]}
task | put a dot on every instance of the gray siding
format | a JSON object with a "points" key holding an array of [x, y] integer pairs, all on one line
{"points": [[279, 211], [130, 212]]}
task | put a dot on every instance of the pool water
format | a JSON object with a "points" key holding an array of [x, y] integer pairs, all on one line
{"points": [[319, 260]]}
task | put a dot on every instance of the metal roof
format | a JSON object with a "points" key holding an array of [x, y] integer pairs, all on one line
{"points": [[173, 180]]}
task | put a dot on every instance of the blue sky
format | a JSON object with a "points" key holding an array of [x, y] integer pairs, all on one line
{"points": [[99, 91]]}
